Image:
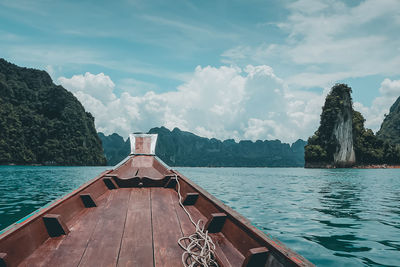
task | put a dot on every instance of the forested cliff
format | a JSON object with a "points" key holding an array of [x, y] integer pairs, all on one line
{"points": [[342, 140], [390, 128], [42, 123]]}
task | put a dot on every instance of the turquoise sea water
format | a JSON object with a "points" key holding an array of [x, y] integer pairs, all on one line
{"points": [[24, 189], [341, 217], [338, 217]]}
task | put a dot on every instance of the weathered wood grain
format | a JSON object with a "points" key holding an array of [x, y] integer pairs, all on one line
{"points": [[137, 240], [68, 250], [226, 253], [104, 244], [166, 229]]}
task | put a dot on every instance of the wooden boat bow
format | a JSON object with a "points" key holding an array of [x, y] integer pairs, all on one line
{"points": [[130, 216]]}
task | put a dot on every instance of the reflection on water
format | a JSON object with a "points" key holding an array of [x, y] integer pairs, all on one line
{"points": [[332, 217], [338, 242], [340, 199]]}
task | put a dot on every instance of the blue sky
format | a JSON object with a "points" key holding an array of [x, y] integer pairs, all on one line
{"points": [[228, 69]]}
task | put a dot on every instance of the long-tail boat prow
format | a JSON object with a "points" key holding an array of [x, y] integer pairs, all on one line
{"points": [[134, 215]]}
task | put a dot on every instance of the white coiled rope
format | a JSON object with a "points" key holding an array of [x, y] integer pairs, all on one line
{"points": [[200, 248]]}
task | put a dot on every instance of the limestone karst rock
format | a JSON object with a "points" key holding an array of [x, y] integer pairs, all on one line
{"points": [[332, 144], [343, 132]]}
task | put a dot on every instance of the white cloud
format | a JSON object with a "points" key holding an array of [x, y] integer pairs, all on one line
{"points": [[329, 41], [267, 128], [374, 115], [225, 102], [390, 88], [98, 86]]}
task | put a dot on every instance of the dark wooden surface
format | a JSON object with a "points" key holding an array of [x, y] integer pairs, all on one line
{"points": [[103, 246], [166, 229], [137, 240], [129, 227]]}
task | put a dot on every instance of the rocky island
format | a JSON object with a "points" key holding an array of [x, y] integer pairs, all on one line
{"points": [[342, 140]]}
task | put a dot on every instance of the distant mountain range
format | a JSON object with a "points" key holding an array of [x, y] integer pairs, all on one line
{"points": [[180, 148]]}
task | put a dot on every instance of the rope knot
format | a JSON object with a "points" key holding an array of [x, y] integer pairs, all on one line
{"points": [[198, 247]]}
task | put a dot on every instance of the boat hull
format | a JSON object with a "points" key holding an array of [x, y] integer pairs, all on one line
{"points": [[131, 216]]}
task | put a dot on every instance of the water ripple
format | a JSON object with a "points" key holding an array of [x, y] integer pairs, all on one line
{"points": [[24, 189], [332, 217]]}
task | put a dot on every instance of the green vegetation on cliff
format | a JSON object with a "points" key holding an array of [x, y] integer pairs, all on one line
{"points": [[42, 123], [180, 148], [322, 145], [390, 128], [115, 148], [368, 147]]}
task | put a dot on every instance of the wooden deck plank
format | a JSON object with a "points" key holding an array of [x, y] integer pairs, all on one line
{"points": [[149, 172], [226, 253], [68, 250], [137, 240], [186, 225], [40, 256], [104, 244], [166, 229], [73, 247], [188, 228]]}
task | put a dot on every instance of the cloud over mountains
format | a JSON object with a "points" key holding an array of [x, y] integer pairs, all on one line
{"points": [[262, 76], [225, 102]]}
